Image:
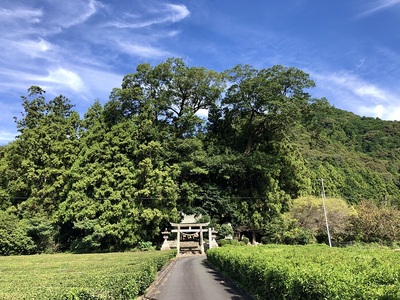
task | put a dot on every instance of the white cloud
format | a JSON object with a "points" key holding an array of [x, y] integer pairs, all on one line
{"points": [[8, 111], [98, 83], [393, 113], [387, 112], [67, 78], [376, 111], [19, 22], [359, 96], [51, 18], [348, 82], [6, 137], [177, 12], [371, 91]]}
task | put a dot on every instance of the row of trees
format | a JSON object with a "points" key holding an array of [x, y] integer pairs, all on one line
{"points": [[305, 223], [121, 173]]}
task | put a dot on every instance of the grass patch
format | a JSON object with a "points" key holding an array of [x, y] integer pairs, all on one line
{"points": [[79, 276]]}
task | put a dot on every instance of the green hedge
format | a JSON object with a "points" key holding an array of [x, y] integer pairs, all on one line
{"points": [[311, 272], [232, 242]]}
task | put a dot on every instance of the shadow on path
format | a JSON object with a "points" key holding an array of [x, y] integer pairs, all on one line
{"points": [[228, 285], [193, 278]]}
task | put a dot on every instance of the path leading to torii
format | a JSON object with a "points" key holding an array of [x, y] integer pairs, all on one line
{"points": [[191, 278]]}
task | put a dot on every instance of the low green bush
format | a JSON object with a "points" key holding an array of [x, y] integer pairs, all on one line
{"points": [[146, 246], [245, 240], [231, 242], [311, 272], [14, 239]]}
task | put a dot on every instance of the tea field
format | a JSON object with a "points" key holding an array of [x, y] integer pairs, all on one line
{"points": [[80, 276], [311, 272]]}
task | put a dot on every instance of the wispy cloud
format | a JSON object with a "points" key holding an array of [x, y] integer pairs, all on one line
{"points": [[44, 51], [379, 6], [355, 85], [54, 16], [179, 12], [30, 48], [144, 51], [78, 48], [167, 13], [21, 13]]}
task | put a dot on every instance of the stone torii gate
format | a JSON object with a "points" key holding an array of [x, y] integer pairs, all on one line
{"points": [[189, 227]]}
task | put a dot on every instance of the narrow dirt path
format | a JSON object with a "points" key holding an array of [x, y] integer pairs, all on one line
{"points": [[191, 278]]}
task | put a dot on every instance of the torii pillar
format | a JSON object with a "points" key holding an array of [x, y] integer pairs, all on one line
{"points": [[178, 239], [201, 240]]}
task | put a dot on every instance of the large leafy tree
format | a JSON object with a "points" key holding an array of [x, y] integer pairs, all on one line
{"points": [[171, 94], [256, 121], [172, 97], [263, 105]]}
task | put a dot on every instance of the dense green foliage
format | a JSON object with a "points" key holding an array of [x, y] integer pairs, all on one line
{"points": [[117, 176], [311, 272], [14, 238], [84, 276], [358, 157]]}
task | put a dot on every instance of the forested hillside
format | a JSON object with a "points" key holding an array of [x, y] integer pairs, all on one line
{"points": [[118, 175], [359, 157]]}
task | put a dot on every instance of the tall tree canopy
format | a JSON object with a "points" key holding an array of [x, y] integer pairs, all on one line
{"points": [[235, 146]]}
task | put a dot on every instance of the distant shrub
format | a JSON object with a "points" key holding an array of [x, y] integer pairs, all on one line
{"points": [[14, 239], [79, 294], [286, 230], [376, 224], [225, 230], [145, 246], [308, 212], [225, 242], [42, 232]]}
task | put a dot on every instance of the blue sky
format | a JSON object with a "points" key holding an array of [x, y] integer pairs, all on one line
{"points": [[83, 48]]}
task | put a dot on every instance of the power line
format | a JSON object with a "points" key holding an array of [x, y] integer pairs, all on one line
{"points": [[125, 197]]}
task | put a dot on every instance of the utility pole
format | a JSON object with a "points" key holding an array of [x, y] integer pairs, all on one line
{"points": [[326, 218]]}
